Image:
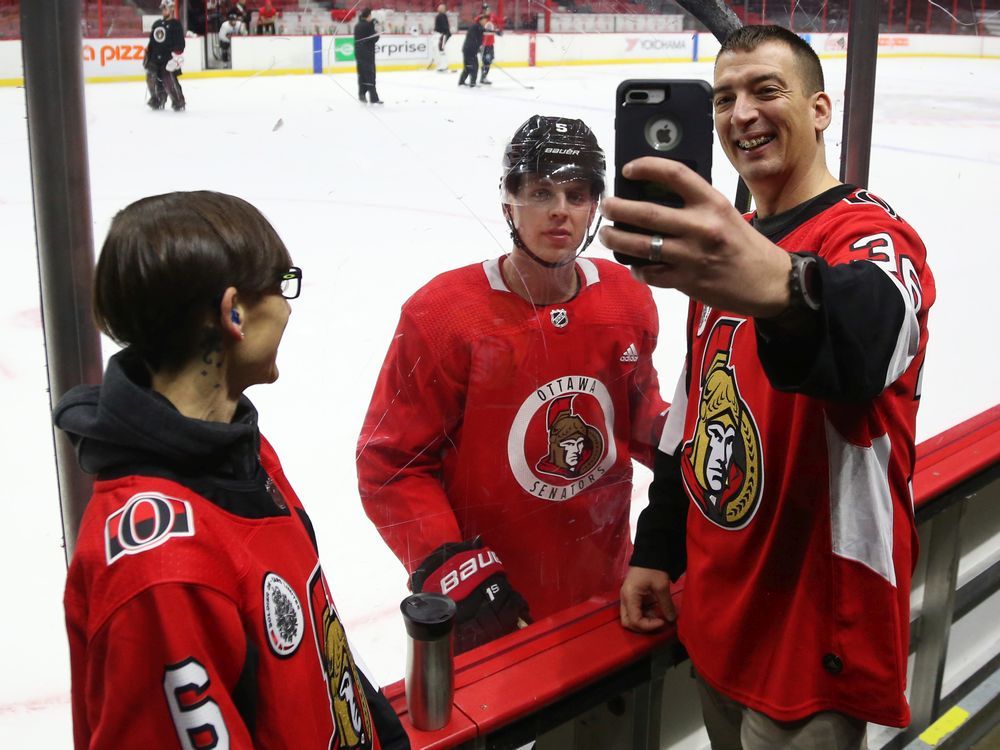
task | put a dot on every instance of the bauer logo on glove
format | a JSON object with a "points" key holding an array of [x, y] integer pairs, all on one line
{"points": [[474, 578], [473, 566]]}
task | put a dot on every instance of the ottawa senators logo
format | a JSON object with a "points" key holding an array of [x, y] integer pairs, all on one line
{"points": [[348, 706], [562, 438], [574, 446], [146, 521], [721, 464]]}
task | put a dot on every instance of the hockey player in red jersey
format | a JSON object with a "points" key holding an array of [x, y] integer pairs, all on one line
{"points": [[492, 28], [196, 606], [496, 456], [782, 480]]}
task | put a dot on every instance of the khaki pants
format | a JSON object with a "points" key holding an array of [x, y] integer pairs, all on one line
{"points": [[733, 726]]}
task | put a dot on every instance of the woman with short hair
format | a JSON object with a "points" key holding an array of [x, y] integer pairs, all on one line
{"points": [[196, 605]]}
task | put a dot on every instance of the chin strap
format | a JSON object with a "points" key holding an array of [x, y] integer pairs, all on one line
{"points": [[518, 242]]}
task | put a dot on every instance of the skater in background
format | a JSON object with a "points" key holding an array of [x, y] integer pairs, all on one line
{"points": [[470, 53], [164, 55], [492, 28], [442, 27], [197, 610], [231, 27], [365, 37]]}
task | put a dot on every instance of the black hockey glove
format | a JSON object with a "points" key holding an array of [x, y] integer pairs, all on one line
{"points": [[474, 578]]}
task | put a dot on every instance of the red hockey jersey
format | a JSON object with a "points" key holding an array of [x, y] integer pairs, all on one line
{"points": [[796, 457], [493, 24], [191, 626], [494, 417]]}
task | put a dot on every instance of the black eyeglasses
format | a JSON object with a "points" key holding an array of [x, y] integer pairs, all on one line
{"points": [[291, 282]]}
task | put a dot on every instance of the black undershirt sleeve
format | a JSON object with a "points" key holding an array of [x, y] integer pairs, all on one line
{"points": [[844, 350], [662, 526]]}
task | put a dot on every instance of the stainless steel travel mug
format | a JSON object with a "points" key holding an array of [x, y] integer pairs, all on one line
{"points": [[430, 669]]}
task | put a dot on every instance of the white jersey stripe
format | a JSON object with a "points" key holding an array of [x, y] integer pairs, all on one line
{"points": [[908, 340], [673, 428], [491, 268], [860, 502], [590, 272], [493, 275]]}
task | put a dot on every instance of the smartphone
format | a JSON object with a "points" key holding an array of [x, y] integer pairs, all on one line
{"points": [[671, 119]]}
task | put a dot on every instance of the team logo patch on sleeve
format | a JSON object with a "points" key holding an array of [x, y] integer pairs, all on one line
{"points": [[284, 622], [146, 521]]}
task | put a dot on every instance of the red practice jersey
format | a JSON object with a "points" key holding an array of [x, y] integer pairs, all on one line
{"points": [[495, 417], [493, 24], [796, 457], [191, 626]]}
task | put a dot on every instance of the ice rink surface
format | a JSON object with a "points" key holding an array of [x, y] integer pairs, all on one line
{"points": [[373, 202]]}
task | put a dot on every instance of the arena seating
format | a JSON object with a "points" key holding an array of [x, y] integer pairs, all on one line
{"points": [[10, 20], [119, 17]]}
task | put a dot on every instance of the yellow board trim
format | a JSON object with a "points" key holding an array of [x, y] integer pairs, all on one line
{"points": [[950, 720]]}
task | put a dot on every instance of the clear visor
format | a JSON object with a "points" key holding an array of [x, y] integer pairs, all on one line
{"points": [[562, 187]]}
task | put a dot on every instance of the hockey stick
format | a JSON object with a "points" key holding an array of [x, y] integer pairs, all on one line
{"points": [[494, 66]]}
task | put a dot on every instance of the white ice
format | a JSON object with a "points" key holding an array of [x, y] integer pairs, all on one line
{"points": [[372, 203]]}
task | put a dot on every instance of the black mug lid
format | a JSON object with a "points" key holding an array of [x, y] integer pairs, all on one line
{"points": [[428, 616]]}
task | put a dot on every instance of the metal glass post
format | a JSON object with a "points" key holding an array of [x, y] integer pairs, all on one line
{"points": [[52, 54], [859, 96]]}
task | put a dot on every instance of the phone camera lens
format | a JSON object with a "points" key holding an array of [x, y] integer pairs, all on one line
{"points": [[663, 133]]}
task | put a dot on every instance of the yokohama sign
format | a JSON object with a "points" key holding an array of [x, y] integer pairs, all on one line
{"points": [[658, 45]]}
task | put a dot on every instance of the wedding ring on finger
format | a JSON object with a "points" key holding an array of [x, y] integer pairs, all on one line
{"points": [[655, 248]]}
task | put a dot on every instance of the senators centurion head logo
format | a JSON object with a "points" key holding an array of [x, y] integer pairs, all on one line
{"points": [[562, 438], [721, 464], [349, 709]]}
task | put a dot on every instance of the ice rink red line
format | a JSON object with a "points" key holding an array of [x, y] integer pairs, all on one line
{"points": [[35, 704]]}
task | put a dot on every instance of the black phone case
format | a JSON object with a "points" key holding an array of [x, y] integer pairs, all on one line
{"points": [[680, 128]]}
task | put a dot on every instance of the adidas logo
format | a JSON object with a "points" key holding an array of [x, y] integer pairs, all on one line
{"points": [[630, 355]]}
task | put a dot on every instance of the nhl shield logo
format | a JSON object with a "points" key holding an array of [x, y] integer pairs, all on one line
{"points": [[559, 318]]}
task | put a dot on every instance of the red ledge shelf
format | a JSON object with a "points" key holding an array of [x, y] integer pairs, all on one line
{"points": [[950, 458], [523, 672]]}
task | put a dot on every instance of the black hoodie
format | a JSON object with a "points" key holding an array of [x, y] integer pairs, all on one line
{"points": [[125, 427]]}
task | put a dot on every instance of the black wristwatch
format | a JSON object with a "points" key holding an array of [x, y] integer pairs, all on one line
{"points": [[804, 288]]}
